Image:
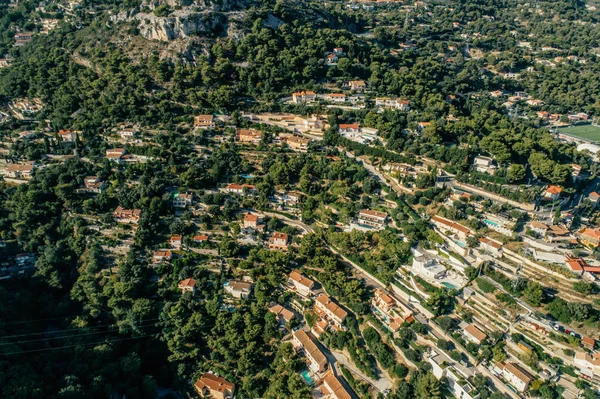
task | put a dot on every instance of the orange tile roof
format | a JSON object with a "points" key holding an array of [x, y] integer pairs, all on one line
{"points": [[593, 358], [122, 212], [300, 279], [249, 217], [593, 233], [576, 264], [554, 190], [280, 236], [310, 347], [373, 213], [331, 306], [490, 242], [538, 225], [588, 341], [214, 383], [188, 282], [283, 312], [332, 386], [518, 372], [451, 224], [201, 238], [349, 126], [475, 332], [384, 297]]}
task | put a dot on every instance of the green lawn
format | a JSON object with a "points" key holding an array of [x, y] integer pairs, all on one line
{"points": [[587, 132]]}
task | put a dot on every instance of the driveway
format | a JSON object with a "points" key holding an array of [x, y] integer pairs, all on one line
{"points": [[335, 357]]}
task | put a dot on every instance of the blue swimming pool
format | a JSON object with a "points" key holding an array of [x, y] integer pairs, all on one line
{"points": [[247, 176], [307, 378], [448, 285], [491, 222]]}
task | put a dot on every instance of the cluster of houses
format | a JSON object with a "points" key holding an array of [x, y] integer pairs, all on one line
{"points": [[393, 103], [392, 313], [22, 171], [25, 109]]}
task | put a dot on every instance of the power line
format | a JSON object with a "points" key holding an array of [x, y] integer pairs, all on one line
{"points": [[33, 321], [69, 336], [69, 346], [65, 330]]}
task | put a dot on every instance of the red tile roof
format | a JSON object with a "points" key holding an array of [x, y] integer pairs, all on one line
{"points": [[300, 279], [214, 383], [475, 332], [592, 233], [188, 282], [576, 265], [554, 190]]}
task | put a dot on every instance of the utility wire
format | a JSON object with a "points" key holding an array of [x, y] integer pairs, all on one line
{"points": [[65, 330], [69, 336], [70, 346], [33, 321]]}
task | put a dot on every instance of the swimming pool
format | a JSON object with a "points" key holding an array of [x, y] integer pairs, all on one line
{"points": [[448, 285], [461, 244], [247, 176], [307, 378], [491, 222]]}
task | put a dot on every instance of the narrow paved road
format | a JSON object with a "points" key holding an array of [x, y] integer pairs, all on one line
{"points": [[335, 357]]}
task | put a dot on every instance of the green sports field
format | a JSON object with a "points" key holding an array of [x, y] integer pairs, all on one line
{"points": [[587, 132]]}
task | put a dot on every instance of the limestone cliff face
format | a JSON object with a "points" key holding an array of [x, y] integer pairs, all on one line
{"points": [[152, 4], [179, 26], [192, 18]]}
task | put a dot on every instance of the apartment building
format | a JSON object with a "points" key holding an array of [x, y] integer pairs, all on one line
{"points": [[239, 189], [373, 219], [391, 312], [517, 376], [317, 361], [485, 165], [249, 136], [297, 143], [93, 184], [331, 388], [238, 289], [279, 241], [328, 309], [182, 200], [445, 225], [304, 97], [251, 221], [204, 122], [302, 285]]}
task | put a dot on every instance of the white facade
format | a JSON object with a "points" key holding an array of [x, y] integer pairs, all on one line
{"points": [[516, 376]]}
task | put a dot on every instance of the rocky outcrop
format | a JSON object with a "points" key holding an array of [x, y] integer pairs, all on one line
{"points": [[180, 26], [152, 4], [193, 18]]}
